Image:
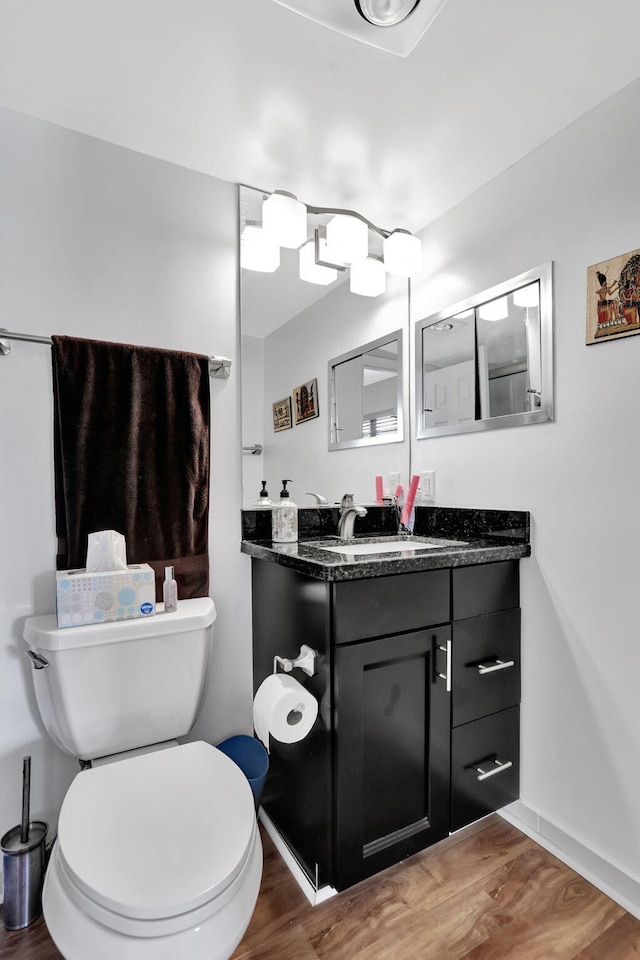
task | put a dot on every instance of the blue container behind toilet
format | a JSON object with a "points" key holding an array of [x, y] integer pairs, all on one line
{"points": [[252, 758]]}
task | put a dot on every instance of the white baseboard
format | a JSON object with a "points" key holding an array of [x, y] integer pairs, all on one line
{"points": [[314, 896], [613, 881]]}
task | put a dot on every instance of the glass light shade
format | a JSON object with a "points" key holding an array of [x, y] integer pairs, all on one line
{"points": [[494, 310], [257, 252], [527, 296], [284, 220], [367, 277], [402, 254], [385, 13], [347, 239], [311, 271]]}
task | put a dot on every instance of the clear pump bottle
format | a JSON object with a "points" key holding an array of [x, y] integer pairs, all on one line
{"points": [[170, 591], [263, 498], [284, 520]]}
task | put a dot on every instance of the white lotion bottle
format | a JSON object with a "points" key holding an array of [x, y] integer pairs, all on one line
{"points": [[170, 591], [284, 519]]}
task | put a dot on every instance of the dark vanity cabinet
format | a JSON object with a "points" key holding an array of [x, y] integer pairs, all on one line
{"points": [[418, 685]]}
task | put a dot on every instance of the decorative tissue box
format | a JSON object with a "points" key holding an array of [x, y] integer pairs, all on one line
{"points": [[83, 598]]}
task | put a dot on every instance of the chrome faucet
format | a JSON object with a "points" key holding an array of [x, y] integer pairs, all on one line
{"points": [[348, 513]]}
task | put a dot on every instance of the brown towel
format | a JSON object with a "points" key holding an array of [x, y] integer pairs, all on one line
{"points": [[131, 453]]}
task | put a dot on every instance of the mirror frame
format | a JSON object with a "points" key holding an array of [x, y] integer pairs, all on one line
{"points": [[396, 437], [544, 413]]}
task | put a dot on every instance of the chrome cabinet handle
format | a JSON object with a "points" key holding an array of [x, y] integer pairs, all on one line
{"points": [[498, 768], [490, 666], [37, 660], [446, 676]]}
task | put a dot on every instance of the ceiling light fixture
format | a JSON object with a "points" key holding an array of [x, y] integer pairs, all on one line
{"points": [[385, 13], [330, 248], [395, 26]]}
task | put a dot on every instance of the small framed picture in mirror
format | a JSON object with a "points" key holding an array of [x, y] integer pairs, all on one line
{"points": [[282, 415], [305, 400]]}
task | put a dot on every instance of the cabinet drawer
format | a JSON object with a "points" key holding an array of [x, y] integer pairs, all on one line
{"points": [[486, 588], [481, 781], [388, 605], [486, 665]]}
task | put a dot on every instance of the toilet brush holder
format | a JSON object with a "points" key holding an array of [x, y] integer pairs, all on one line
{"points": [[23, 865], [24, 860]]}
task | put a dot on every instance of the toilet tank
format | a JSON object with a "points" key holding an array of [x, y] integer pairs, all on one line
{"points": [[117, 686]]}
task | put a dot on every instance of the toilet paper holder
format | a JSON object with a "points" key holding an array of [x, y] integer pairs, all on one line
{"points": [[306, 660]]}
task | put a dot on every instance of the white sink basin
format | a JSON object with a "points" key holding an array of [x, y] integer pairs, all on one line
{"points": [[389, 546]]}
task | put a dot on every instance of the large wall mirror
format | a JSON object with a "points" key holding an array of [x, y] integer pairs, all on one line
{"points": [[487, 362], [290, 331]]}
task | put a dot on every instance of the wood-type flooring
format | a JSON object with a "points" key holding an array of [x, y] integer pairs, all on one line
{"points": [[487, 893]]}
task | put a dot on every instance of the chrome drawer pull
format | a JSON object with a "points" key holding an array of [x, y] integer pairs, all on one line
{"points": [[446, 676], [485, 774], [492, 666]]}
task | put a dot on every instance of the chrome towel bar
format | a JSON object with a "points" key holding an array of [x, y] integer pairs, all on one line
{"points": [[219, 367]]}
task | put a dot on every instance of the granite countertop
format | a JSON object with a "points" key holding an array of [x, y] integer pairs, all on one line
{"points": [[457, 537]]}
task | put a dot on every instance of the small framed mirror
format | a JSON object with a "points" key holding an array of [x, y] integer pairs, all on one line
{"points": [[488, 362], [366, 396]]}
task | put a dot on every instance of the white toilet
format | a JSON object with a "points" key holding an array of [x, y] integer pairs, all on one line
{"points": [[158, 855]]}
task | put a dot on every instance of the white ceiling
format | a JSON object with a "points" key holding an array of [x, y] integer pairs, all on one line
{"points": [[248, 90]]}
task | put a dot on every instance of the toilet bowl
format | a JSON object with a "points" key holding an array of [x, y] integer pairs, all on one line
{"points": [[158, 857]]}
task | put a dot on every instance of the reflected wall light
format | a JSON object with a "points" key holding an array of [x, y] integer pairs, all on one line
{"points": [[367, 277], [344, 240], [527, 296], [310, 269], [494, 309], [257, 252], [284, 219]]}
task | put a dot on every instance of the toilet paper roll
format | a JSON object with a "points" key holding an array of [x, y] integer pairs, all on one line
{"points": [[283, 708]]}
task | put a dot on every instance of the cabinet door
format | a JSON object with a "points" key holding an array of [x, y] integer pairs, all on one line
{"points": [[391, 709]]}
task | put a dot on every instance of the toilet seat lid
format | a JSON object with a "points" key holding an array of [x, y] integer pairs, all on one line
{"points": [[158, 834]]}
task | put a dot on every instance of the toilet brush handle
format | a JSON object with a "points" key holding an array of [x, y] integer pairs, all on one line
{"points": [[26, 794]]}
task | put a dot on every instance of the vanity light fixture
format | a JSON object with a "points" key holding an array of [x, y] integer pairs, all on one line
{"points": [[284, 219], [402, 254], [332, 247], [257, 252], [311, 269], [385, 13], [347, 239], [367, 277], [494, 309]]}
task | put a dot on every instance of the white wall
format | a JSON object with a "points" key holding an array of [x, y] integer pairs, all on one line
{"points": [[574, 201], [98, 241]]}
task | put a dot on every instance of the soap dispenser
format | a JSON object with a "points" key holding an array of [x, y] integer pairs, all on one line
{"points": [[263, 498], [284, 520]]}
